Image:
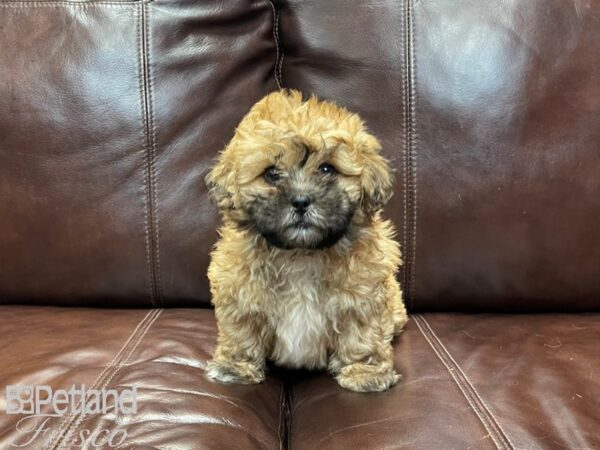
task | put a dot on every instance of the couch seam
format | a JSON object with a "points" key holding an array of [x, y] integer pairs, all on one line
{"points": [[69, 418], [120, 364], [142, 96], [410, 161], [154, 172], [150, 182], [33, 4], [405, 252], [491, 424], [286, 415], [289, 401], [413, 156], [279, 55], [281, 424], [475, 392]]}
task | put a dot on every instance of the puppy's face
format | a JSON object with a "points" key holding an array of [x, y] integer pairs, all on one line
{"points": [[300, 173], [299, 199]]}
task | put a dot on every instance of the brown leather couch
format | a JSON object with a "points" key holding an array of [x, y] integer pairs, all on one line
{"points": [[111, 112]]}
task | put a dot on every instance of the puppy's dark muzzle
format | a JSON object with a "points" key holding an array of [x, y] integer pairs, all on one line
{"points": [[301, 203]]}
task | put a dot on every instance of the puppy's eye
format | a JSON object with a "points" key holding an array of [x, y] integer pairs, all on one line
{"points": [[327, 169], [271, 175]]}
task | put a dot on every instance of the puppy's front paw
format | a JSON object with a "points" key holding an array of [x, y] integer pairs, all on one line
{"points": [[234, 372], [361, 377]]}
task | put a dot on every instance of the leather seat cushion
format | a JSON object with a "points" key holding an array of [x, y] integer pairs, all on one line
{"points": [[161, 352], [485, 381], [470, 381]]}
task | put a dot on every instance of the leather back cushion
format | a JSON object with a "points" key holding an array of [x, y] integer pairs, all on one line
{"points": [[489, 111], [107, 131]]}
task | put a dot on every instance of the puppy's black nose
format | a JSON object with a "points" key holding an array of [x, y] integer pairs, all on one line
{"points": [[300, 202]]}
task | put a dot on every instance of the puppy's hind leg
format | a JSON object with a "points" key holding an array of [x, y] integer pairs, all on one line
{"points": [[240, 354]]}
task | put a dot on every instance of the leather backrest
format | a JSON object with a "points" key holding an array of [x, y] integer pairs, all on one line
{"points": [[488, 110], [507, 125], [111, 114]]}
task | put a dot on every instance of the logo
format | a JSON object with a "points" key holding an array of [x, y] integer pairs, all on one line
{"points": [[40, 404], [19, 400], [41, 399]]}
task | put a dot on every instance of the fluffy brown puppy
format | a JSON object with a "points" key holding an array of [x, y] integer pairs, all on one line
{"points": [[304, 271]]}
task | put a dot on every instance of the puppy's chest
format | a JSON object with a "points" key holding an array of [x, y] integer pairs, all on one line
{"points": [[300, 321]]}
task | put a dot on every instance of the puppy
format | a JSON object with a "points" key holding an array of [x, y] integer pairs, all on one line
{"points": [[304, 271]]}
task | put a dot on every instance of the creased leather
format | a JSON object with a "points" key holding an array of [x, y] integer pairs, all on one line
{"points": [[177, 407], [534, 374], [489, 112]]}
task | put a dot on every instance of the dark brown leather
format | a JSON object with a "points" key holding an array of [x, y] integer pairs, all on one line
{"points": [[71, 155], [507, 111], [470, 381], [326, 49], [161, 352], [105, 137], [210, 61], [111, 113], [484, 381], [490, 115]]}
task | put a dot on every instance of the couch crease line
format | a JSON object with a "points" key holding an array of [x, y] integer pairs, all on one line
{"points": [[409, 166], [488, 420], [120, 363], [151, 213], [279, 55], [69, 418]]}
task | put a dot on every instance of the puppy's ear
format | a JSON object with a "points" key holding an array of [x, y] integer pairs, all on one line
{"points": [[376, 177], [220, 182]]}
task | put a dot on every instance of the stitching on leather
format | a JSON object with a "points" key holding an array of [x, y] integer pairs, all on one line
{"points": [[279, 55], [466, 379], [145, 176], [153, 170], [409, 168], [116, 368], [405, 252], [476, 410], [490, 423], [410, 188], [281, 51], [20, 4], [68, 419], [151, 225], [413, 154]]}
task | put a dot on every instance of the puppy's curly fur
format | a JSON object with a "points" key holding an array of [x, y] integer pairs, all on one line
{"points": [[304, 271]]}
